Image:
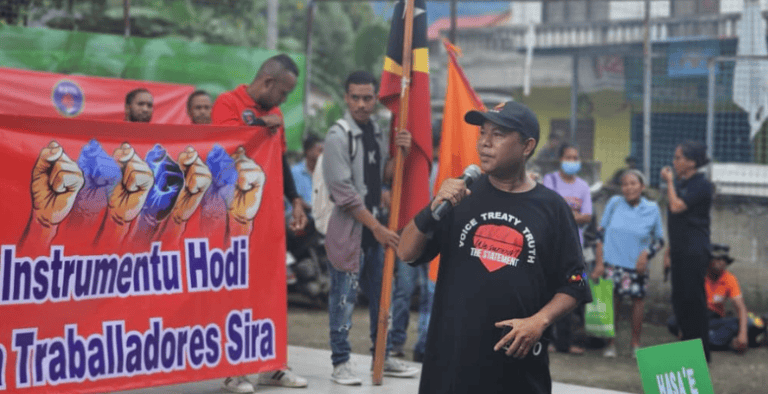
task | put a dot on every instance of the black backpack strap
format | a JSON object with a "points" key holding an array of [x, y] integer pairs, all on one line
{"points": [[352, 146]]}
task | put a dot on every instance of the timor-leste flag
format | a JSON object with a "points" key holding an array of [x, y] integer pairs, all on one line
{"points": [[458, 139], [415, 194]]}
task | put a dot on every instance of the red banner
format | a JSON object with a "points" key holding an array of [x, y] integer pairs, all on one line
{"points": [[134, 250], [58, 95]]}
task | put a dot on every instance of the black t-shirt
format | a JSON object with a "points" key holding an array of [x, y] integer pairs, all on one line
{"points": [[371, 177], [689, 230], [503, 256]]}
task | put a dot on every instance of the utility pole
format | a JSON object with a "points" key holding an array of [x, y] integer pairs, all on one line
{"points": [[452, 32], [126, 17], [272, 6], [647, 83]]}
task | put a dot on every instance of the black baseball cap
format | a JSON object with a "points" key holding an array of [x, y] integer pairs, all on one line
{"points": [[509, 115], [720, 251]]}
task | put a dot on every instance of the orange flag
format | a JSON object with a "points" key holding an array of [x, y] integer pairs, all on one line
{"points": [[458, 138]]}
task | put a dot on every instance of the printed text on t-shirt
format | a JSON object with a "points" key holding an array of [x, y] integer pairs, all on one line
{"points": [[500, 243]]}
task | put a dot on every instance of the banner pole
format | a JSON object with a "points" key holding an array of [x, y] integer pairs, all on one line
{"points": [[397, 188]]}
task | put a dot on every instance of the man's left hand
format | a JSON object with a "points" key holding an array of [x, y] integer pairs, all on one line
{"points": [[272, 122], [299, 217], [524, 335], [403, 140]]}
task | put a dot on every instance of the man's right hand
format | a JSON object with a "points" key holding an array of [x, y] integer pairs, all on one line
{"points": [[667, 174], [386, 237], [452, 190]]}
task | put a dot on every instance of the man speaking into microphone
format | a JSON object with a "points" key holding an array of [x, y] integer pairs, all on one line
{"points": [[510, 265]]}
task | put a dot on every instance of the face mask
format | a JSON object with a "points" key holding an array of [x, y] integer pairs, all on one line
{"points": [[570, 167]]}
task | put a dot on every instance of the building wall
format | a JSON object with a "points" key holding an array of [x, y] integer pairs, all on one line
{"points": [[611, 117], [550, 96]]}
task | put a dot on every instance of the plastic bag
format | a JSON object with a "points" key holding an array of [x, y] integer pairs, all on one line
{"points": [[598, 315]]}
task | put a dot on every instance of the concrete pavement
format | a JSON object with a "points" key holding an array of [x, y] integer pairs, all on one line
{"points": [[315, 366]]}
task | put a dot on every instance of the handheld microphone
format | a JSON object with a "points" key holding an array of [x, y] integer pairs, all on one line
{"points": [[471, 173]]}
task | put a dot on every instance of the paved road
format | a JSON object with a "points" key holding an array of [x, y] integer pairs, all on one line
{"points": [[315, 365]]}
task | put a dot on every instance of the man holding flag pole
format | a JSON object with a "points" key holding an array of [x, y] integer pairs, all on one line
{"points": [[354, 170]]}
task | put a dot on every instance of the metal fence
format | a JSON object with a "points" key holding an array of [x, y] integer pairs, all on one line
{"points": [[680, 94], [680, 106]]}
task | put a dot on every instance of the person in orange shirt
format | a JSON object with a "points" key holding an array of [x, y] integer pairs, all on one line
{"points": [[735, 333]]}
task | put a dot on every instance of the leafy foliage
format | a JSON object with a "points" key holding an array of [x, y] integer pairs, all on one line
{"points": [[346, 36]]}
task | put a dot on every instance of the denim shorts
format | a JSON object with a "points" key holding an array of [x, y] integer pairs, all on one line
{"points": [[626, 281]]}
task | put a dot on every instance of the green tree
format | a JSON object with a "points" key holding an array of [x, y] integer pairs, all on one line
{"points": [[346, 35]]}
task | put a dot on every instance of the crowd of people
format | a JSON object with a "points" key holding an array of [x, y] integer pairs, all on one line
{"points": [[512, 271]]}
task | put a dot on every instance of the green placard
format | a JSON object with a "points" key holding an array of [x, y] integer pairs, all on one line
{"points": [[674, 368]]}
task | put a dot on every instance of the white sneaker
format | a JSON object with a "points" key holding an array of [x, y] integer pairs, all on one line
{"points": [[342, 374], [238, 384], [284, 377], [610, 351], [398, 369]]}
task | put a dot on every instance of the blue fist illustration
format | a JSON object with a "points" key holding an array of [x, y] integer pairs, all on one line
{"points": [[101, 174], [219, 196]]}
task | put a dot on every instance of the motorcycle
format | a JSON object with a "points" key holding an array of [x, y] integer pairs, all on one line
{"points": [[307, 264]]}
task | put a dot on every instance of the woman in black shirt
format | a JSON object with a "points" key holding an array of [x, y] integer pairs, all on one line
{"points": [[690, 199]]}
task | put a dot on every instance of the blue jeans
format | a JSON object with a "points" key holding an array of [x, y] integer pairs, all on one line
{"points": [[342, 297], [722, 330], [406, 278]]}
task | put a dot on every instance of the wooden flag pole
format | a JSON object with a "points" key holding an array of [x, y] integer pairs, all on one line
{"points": [[397, 189]]}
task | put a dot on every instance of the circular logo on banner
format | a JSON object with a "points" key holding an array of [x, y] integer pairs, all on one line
{"points": [[68, 98], [249, 117]]}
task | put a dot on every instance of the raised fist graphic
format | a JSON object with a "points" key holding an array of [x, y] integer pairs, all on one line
{"points": [[101, 174], [248, 189], [56, 180], [216, 202], [197, 179], [131, 192], [162, 196]]}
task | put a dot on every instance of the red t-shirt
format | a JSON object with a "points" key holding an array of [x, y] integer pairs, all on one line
{"points": [[237, 108], [725, 287]]}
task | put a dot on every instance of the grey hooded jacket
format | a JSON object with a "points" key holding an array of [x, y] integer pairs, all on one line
{"points": [[343, 176]]}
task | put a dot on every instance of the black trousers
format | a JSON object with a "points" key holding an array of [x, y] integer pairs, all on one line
{"points": [[564, 328], [689, 298]]}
